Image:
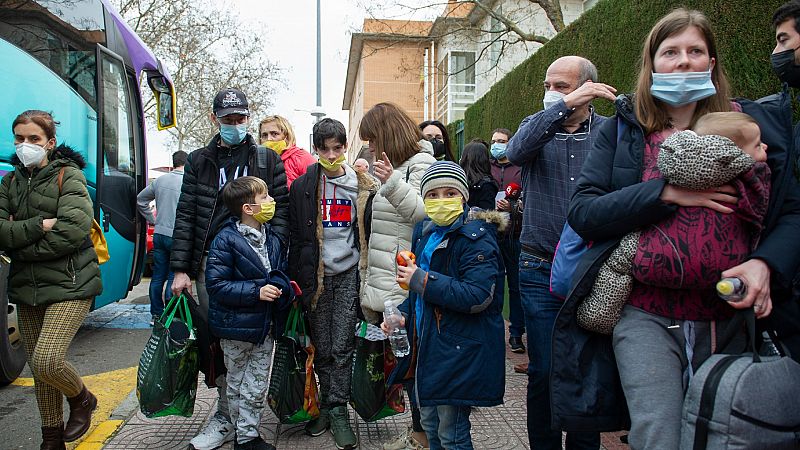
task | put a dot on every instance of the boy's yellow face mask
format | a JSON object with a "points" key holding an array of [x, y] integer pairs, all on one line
{"points": [[444, 211], [265, 213]]}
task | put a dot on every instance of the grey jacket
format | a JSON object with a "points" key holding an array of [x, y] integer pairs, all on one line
{"points": [[165, 190]]}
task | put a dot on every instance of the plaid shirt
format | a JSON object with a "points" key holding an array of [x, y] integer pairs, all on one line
{"points": [[550, 169]]}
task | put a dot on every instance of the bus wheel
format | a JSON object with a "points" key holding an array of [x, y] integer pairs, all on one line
{"points": [[12, 353]]}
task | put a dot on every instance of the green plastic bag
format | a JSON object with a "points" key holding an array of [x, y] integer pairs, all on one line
{"points": [[373, 361], [166, 384], [292, 394]]}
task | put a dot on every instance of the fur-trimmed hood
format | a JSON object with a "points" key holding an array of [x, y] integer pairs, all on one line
{"points": [[61, 152], [499, 219]]}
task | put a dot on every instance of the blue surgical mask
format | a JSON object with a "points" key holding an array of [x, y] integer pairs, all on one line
{"points": [[232, 134], [551, 98], [681, 88], [498, 150]]}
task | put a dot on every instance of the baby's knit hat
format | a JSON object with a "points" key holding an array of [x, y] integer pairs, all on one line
{"points": [[444, 174]]}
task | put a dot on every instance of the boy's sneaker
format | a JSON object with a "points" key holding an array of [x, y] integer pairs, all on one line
{"points": [[516, 344], [255, 444], [405, 441], [340, 427], [319, 425], [218, 431]]}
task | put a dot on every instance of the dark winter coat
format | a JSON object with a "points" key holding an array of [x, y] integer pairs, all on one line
{"points": [[200, 198], [305, 225], [483, 193], [505, 174], [234, 277], [611, 201], [460, 349], [56, 265]]}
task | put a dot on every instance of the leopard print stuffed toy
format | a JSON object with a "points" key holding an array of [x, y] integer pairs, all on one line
{"points": [[686, 160]]}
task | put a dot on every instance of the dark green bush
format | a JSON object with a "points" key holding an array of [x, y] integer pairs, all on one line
{"points": [[611, 35]]}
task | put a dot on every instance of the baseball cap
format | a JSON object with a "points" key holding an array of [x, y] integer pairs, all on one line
{"points": [[230, 101]]}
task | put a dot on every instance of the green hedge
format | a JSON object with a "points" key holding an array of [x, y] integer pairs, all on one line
{"points": [[611, 35]]}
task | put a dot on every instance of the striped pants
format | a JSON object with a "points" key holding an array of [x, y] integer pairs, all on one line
{"points": [[47, 331]]}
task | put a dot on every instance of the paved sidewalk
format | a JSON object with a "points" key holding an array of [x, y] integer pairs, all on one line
{"points": [[501, 427]]}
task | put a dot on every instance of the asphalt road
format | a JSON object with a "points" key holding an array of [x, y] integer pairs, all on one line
{"points": [[106, 352]]}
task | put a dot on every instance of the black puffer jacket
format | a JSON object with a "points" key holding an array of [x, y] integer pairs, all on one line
{"points": [[201, 213]]}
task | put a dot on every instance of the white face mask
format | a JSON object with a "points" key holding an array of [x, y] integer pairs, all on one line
{"points": [[30, 154], [551, 98]]}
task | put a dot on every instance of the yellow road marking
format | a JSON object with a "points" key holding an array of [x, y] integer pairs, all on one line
{"points": [[24, 382], [100, 435], [111, 388]]}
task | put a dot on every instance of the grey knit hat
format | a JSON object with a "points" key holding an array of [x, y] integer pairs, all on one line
{"points": [[444, 174]]}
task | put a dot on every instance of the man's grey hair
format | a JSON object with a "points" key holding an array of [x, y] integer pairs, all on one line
{"points": [[587, 71]]}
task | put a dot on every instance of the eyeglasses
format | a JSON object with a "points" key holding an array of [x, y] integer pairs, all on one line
{"points": [[575, 136]]}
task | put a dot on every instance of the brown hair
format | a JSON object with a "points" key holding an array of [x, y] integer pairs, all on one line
{"points": [[43, 119], [728, 124], [240, 191], [649, 113], [392, 131], [283, 125]]}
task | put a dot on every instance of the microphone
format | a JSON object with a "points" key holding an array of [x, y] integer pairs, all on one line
{"points": [[513, 191]]}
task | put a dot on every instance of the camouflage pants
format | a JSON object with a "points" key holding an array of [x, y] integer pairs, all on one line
{"points": [[247, 379]]}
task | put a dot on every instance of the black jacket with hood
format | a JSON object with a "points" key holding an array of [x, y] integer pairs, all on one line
{"points": [[201, 213]]}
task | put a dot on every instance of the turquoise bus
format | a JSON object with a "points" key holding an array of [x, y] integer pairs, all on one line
{"points": [[80, 60]]}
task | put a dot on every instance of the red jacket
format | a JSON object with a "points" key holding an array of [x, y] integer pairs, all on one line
{"points": [[295, 162]]}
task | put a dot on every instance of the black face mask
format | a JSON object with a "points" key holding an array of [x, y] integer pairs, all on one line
{"points": [[438, 148], [785, 68]]}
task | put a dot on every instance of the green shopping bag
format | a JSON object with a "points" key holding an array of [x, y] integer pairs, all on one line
{"points": [[292, 394], [373, 361], [166, 383]]}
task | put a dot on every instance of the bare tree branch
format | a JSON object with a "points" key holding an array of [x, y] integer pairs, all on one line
{"points": [[202, 57]]}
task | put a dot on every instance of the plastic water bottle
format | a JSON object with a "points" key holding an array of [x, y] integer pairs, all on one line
{"points": [[731, 289], [397, 334]]}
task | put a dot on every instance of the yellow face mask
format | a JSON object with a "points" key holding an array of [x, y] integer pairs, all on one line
{"points": [[332, 166], [444, 211], [276, 146], [266, 212]]}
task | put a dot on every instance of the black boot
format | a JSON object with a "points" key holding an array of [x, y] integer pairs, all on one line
{"points": [[80, 415], [53, 438]]}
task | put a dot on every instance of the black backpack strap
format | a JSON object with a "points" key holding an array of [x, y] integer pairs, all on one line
{"points": [[261, 157]]}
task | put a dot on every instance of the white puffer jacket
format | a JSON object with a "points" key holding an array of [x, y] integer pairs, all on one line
{"points": [[397, 207]]}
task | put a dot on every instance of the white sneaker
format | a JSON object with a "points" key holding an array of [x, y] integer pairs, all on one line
{"points": [[218, 431]]}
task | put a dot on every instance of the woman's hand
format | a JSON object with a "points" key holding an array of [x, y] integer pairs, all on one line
{"points": [[404, 273], [48, 224], [269, 293], [383, 168], [710, 198], [756, 274], [181, 282]]}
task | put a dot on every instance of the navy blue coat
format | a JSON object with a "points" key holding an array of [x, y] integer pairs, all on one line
{"points": [[460, 351], [611, 201], [234, 276]]}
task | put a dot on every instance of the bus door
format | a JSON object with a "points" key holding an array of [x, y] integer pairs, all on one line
{"points": [[120, 175]]}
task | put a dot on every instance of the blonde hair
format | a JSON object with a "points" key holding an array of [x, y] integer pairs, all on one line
{"points": [[392, 131], [728, 124], [649, 113], [283, 125]]}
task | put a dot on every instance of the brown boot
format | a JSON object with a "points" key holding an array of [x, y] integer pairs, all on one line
{"points": [[80, 415], [53, 438]]}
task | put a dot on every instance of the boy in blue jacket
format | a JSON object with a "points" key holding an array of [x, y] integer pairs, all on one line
{"points": [[453, 309], [246, 281]]}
